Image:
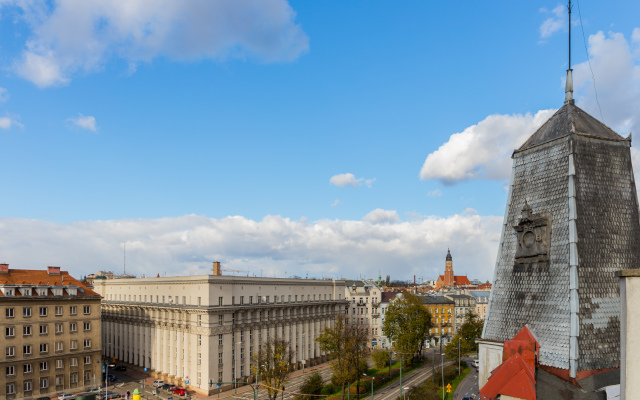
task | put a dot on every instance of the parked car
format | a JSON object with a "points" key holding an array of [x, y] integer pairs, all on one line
{"points": [[109, 395], [120, 368], [180, 391], [476, 363], [43, 398], [66, 396], [467, 398], [111, 377], [94, 390], [158, 383]]}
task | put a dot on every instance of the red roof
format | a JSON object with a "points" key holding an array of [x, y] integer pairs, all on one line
{"points": [[41, 277]]}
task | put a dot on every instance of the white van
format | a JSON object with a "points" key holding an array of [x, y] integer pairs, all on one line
{"points": [[476, 363], [157, 383]]}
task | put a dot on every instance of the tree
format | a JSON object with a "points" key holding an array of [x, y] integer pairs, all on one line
{"points": [[273, 363], [387, 281], [470, 330], [346, 345], [451, 349], [380, 358], [313, 384], [407, 323]]}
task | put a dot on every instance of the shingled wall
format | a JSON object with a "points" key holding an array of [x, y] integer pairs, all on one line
{"points": [[540, 297], [608, 240]]}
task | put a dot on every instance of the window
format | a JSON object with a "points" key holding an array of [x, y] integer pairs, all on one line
{"points": [[26, 368], [44, 365], [199, 301], [267, 299], [73, 377], [74, 345], [184, 299], [27, 386], [43, 311], [87, 343], [59, 364], [74, 362], [87, 377], [11, 388], [10, 331], [44, 383], [44, 329], [219, 300], [233, 300], [241, 300], [296, 298], [73, 310], [59, 380], [87, 360], [44, 347], [58, 311], [250, 299], [73, 327], [199, 340], [11, 351], [59, 328], [87, 309], [220, 340], [220, 319], [26, 312], [199, 358], [199, 320], [87, 326], [8, 312], [289, 299], [11, 370], [26, 349], [59, 346], [163, 299], [219, 358]]}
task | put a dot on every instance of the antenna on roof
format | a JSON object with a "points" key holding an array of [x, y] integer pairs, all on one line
{"points": [[568, 91]]}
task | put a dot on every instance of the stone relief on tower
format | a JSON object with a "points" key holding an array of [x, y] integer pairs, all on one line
{"points": [[534, 235]]}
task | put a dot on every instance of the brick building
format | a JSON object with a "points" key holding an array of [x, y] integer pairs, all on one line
{"points": [[449, 280]]}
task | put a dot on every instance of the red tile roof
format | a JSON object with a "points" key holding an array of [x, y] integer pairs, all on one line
{"points": [[41, 277]]}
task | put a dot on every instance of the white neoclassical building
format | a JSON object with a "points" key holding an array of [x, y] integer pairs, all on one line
{"points": [[190, 328]]}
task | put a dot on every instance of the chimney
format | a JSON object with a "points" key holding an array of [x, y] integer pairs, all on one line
{"points": [[216, 268], [53, 270], [4, 268]]}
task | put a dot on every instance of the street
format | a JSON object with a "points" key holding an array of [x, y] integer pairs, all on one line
{"points": [[469, 386]]}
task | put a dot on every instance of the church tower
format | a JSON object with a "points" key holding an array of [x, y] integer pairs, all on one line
{"points": [[449, 279]]}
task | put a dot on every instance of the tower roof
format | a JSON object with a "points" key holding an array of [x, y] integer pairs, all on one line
{"points": [[567, 120], [449, 255]]}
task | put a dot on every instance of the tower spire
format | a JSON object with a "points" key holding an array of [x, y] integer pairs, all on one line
{"points": [[568, 91]]}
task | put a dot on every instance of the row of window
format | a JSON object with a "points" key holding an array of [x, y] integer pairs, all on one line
{"points": [[176, 299], [44, 311], [27, 385], [27, 349], [10, 331], [27, 291], [27, 368]]}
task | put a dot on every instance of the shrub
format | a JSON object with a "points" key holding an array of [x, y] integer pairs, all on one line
{"points": [[380, 358], [313, 384]]}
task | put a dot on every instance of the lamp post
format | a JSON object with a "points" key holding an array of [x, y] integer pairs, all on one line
{"points": [[458, 355], [400, 374], [404, 391], [372, 379], [442, 358], [235, 369]]}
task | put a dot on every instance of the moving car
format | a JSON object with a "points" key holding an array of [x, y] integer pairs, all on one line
{"points": [[168, 386], [120, 368], [66, 396], [180, 391], [158, 383], [94, 390], [109, 395]]}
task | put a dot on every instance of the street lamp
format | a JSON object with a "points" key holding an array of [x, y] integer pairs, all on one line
{"points": [[235, 369], [372, 379], [404, 391], [458, 355], [442, 358]]}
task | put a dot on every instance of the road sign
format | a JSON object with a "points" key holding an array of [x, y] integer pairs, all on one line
{"points": [[186, 382], [217, 386], [448, 388]]}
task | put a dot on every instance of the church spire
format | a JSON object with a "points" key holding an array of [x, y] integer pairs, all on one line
{"points": [[568, 91]]}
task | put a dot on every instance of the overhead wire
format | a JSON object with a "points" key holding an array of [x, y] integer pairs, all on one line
{"points": [[593, 77]]}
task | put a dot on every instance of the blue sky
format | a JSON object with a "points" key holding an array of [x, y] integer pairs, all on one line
{"points": [[212, 131]]}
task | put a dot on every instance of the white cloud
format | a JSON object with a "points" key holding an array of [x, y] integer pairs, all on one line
{"points": [[380, 216], [335, 203], [72, 36], [348, 179], [557, 20], [4, 95], [434, 193], [84, 122], [187, 245], [482, 151], [7, 122]]}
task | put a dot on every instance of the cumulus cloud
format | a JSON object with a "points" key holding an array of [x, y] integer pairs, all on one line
{"points": [[434, 193], [72, 36], [335, 203], [83, 122], [556, 21], [187, 245], [348, 179], [380, 216], [483, 151], [9, 121]]}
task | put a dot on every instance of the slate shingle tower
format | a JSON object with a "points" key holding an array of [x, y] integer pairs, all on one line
{"points": [[571, 222]]}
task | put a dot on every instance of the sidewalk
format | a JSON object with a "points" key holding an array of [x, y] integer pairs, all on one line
{"points": [[148, 380]]}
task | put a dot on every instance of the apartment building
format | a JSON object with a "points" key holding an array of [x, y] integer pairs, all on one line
{"points": [[51, 333], [482, 302], [385, 300], [190, 330], [442, 311], [364, 307], [464, 302]]}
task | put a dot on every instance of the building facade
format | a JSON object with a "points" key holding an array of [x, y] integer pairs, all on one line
{"points": [[189, 330], [385, 300], [464, 302], [482, 302], [51, 333], [364, 307], [442, 311]]}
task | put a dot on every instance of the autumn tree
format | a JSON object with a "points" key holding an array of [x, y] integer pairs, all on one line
{"points": [[312, 385], [380, 358], [273, 364], [346, 345], [407, 323], [470, 330]]}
